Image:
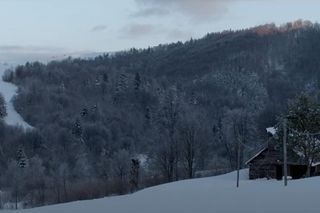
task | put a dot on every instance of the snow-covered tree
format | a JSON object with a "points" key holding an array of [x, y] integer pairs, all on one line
{"points": [[77, 129], [121, 86], [22, 159], [304, 128]]}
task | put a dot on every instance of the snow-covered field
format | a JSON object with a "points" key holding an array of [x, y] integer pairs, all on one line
{"points": [[206, 195], [9, 91]]}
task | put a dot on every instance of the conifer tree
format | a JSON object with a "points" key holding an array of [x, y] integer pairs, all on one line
{"points": [[137, 82], [77, 129], [21, 158], [3, 111], [22, 163]]}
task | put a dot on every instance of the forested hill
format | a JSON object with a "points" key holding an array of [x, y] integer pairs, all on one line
{"points": [[181, 106]]}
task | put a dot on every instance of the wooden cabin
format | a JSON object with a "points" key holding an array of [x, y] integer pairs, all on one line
{"points": [[268, 163]]}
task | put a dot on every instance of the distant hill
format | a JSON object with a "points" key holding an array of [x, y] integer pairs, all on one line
{"points": [[183, 106]]}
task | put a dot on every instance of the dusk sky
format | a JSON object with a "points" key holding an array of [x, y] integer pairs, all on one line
{"points": [[42, 27]]}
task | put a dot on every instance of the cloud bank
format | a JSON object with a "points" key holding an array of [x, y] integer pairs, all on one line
{"points": [[15, 54], [196, 9], [99, 28], [140, 31], [136, 31]]}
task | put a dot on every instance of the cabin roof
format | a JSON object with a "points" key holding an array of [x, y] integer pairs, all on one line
{"points": [[256, 155], [291, 159], [316, 164]]}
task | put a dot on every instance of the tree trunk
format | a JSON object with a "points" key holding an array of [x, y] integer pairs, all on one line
{"points": [[309, 170]]}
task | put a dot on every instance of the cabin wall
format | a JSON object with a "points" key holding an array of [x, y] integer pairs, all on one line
{"points": [[316, 170], [264, 165], [262, 171], [297, 171], [275, 171]]}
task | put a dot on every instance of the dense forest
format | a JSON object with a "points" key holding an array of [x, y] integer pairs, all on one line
{"points": [[123, 121]]}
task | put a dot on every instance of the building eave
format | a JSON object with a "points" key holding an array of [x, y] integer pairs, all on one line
{"points": [[256, 155]]}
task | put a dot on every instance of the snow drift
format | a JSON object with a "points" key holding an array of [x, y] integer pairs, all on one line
{"points": [[206, 195]]}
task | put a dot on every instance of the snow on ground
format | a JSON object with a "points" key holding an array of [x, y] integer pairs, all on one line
{"points": [[9, 91], [207, 195]]}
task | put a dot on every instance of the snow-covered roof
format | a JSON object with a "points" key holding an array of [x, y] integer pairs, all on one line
{"points": [[316, 164], [271, 130], [142, 159], [256, 155]]}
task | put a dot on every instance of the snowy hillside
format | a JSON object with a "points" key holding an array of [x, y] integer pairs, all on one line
{"points": [[9, 91], [207, 195]]}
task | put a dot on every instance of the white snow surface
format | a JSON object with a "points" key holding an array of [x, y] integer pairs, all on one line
{"points": [[207, 195], [8, 91]]}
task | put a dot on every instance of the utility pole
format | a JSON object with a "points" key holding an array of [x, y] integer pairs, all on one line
{"points": [[238, 164], [285, 163]]}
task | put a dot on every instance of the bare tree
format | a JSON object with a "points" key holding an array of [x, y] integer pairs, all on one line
{"points": [[239, 129], [169, 117], [134, 175], [189, 147], [121, 169]]}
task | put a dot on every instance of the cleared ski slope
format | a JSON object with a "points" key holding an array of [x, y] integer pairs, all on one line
{"points": [[9, 91], [206, 195]]}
